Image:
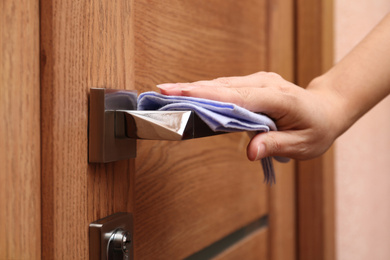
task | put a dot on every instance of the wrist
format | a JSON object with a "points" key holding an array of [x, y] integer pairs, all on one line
{"points": [[334, 104]]}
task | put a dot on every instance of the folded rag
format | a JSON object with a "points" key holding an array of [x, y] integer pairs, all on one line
{"points": [[219, 116]]}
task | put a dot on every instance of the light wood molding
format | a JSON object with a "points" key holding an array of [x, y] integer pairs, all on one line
{"points": [[83, 45], [20, 191]]}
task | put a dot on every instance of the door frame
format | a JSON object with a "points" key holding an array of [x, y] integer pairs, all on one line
{"points": [[315, 178]]}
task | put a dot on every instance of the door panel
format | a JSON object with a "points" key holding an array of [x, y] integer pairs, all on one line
{"points": [[195, 192], [180, 41], [191, 206]]}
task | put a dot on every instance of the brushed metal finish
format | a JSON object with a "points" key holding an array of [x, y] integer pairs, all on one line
{"points": [[111, 237], [164, 125], [157, 125], [104, 146]]}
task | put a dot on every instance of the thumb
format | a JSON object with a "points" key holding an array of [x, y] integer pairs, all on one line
{"points": [[273, 143]]}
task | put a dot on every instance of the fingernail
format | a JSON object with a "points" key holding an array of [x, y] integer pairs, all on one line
{"points": [[166, 86], [260, 151]]}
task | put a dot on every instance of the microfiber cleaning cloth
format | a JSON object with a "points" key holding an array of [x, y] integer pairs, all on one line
{"points": [[219, 116]]}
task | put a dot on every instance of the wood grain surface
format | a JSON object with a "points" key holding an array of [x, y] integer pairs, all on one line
{"points": [[185, 195], [187, 201], [192, 193], [282, 214], [254, 247], [83, 45], [181, 41], [20, 193], [315, 177]]}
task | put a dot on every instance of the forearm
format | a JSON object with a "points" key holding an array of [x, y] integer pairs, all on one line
{"points": [[361, 79]]}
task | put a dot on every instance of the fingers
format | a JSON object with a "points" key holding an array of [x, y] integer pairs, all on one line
{"points": [[260, 92], [256, 80], [270, 101], [265, 100], [284, 143], [172, 89]]}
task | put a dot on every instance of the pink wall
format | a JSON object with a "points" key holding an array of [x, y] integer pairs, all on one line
{"points": [[362, 153]]}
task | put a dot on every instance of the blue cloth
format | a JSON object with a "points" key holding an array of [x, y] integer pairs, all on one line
{"points": [[219, 116]]}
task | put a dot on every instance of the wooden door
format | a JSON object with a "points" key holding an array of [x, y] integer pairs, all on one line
{"points": [[185, 196], [188, 198]]}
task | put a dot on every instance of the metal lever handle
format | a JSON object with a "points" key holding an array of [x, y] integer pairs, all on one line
{"points": [[161, 125], [115, 124]]}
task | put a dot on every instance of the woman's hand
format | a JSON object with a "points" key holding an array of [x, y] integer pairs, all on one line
{"points": [[310, 119], [305, 117]]}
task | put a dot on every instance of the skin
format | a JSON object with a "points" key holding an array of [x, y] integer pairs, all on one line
{"points": [[308, 119]]}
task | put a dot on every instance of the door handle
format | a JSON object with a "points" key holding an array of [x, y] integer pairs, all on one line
{"points": [[115, 124]]}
